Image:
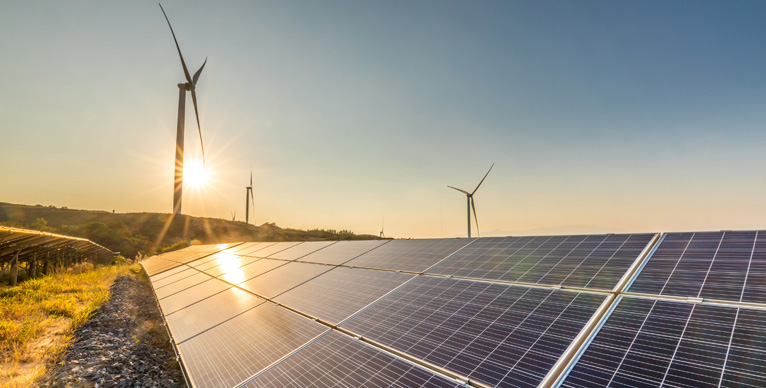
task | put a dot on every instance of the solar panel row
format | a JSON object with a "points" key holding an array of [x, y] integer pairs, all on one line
{"points": [[432, 310]]}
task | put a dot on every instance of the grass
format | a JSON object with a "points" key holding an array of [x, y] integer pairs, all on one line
{"points": [[39, 316]]}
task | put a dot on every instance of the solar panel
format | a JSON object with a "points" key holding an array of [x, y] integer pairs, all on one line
{"points": [[164, 274], [716, 265], [236, 275], [183, 274], [254, 248], [336, 360], [335, 295], [501, 335], [300, 250], [272, 249], [209, 312], [156, 265], [657, 342], [342, 252], [591, 261], [409, 255], [281, 279], [181, 285], [234, 351], [192, 295]]}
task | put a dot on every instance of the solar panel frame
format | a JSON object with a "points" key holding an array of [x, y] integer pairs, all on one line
{"points": [[335, 360], [728, 266], [338, 294], [409, 255], [699, 353], [209, 312], [337, 254], [233, 352], [475, 341], [580, 261]]}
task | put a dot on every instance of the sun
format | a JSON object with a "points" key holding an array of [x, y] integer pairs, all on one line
{"points": [[195, 174]]}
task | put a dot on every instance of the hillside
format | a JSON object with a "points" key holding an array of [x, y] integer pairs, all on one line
{"points": [[132, 234]]}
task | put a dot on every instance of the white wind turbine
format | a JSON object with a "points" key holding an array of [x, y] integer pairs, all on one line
{"points": [[189, 85], [471, 204]]}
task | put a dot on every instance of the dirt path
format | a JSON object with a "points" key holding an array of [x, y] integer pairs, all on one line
{"points": [[123, 344]]}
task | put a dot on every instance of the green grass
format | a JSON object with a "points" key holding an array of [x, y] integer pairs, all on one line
{"points": [[39, 316]]}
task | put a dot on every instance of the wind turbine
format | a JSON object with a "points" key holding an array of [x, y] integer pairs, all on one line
{"points": [[248, 199], [189, 85], [471, 204]]}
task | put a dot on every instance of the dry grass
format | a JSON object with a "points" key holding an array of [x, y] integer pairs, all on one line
{"points": [[38, 317]]}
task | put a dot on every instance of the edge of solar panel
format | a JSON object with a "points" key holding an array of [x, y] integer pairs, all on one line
{"points": [[589, 331]]}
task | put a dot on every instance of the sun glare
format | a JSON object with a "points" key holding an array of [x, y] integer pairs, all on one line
{"points": [[195, 174]]}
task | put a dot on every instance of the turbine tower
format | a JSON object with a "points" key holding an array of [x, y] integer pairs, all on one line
{"points": [[189, 85], [471, 204], [249, 199]]}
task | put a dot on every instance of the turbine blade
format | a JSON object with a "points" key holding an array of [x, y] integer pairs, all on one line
{"points": [[473, 205], [251, 177], [196, 113], [485, 177], [196, 75], [186, 71], [462, 191]]}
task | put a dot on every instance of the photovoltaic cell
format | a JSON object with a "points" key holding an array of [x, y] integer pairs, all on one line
{"points": [[180, 285], [236, 275], [281, 279], [233, 352], [272, 249], [300, 250], [170, 272], [254, 248], [501, 335], [716, 265], [650, 343], [409, 255], [342, 252], [192, 295], [185, 273], [336, 360], [156, 265], [592, 261], [337, 294], [208, 312]]}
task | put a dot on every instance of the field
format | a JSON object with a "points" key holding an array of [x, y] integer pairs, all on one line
{"points": [[39, 316]]}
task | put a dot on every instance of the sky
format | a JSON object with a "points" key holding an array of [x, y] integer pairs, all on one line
{"points": [[600, 116]]}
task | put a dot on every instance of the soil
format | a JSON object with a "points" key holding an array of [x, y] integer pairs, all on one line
{"points": [[123, 344]]}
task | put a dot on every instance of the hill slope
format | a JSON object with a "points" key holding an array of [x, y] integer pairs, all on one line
{"points": [[149, 233]]}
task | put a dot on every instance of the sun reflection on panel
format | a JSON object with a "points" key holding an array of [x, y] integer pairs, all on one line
{"points": [[230, 265]]}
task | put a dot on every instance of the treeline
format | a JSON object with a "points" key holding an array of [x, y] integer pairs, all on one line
{"points": [[136, 234]]}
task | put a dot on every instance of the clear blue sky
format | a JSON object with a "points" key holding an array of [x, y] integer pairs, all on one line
{"points": [[600, 116]]}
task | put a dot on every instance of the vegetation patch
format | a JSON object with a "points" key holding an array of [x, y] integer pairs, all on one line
{"points": [[38, 317]]}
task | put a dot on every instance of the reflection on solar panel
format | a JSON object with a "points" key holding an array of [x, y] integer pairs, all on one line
{"points": [[498, 334], [409, 255], [232, 352], [653, 343], [363, 313], [336, 360], [342, 251], [337, 294], [592, 261], [715, 265]]}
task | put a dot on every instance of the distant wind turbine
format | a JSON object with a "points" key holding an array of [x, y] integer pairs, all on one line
{"points": [[189, 85], [471, 204], [249, 199]]}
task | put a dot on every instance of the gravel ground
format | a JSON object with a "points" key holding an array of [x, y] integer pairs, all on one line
{"points": [[122, 345]]}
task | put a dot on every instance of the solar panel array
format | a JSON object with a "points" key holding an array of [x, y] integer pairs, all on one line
{"points": [[678, 309]]}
